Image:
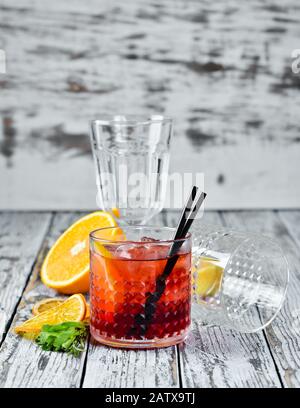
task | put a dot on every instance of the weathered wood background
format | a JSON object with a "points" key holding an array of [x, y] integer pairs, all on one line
{"points": [[221, 69]]}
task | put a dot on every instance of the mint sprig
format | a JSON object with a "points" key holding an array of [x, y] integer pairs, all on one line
{"points": [[68, 337]]}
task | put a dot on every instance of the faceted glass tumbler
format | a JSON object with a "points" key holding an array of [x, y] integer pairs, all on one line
{"points": [[131, 156], [134, 302], [239, 280]]}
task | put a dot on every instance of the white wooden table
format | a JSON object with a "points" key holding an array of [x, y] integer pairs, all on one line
{"points": [[215, 358]]}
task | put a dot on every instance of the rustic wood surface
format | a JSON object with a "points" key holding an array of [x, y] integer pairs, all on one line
{"points": [[211, 356], [284, 335], [20, 240], [221, 69]]}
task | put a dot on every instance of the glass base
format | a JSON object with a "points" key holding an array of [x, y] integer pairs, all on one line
{"points": [[139, 344]]}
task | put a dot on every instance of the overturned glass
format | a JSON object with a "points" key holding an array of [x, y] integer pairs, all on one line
{"points": [[239, 280]]}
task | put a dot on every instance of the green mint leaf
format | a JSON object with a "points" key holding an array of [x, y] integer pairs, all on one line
{"points": [[66, 337]]}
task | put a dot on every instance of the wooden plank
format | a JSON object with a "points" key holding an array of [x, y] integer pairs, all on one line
{"points": [[283, 334], [217, 357], [23, 363], [107, 367], [21, 236], [292, 221]]}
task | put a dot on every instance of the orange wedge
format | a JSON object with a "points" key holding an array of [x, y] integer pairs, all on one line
{"points": [[71, 310], [66, 267]]}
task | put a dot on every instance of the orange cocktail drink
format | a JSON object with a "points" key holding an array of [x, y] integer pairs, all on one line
{"points": [[132, 303]]}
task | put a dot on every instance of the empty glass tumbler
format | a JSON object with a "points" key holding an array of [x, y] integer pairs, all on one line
{"points": [[131, 157], [239, 280]]}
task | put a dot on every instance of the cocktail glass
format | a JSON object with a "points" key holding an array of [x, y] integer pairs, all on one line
{"points": [[126, 271]]}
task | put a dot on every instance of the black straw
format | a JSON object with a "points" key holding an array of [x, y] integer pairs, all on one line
{"points": [[188, 215]]}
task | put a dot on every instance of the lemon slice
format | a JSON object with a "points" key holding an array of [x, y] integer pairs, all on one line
{"points": [[208, 279], [46, 304]]}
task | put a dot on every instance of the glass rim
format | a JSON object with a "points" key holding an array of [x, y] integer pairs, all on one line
{"points": [[134, 120], [117, 242]]}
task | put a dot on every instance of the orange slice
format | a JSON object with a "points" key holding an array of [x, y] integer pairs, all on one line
{"points": [[71, 310], [49, 303], [87, 313], [116, 212], [66, 267], [46, 304]]}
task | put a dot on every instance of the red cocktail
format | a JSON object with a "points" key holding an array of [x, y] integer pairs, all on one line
{"points": [[133, 303]]}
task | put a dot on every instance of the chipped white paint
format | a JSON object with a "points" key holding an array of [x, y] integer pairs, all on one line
{"points": [[3, 322], [282, 337], [222, 358], [107, 367], [21, 236], [223, 71]]}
